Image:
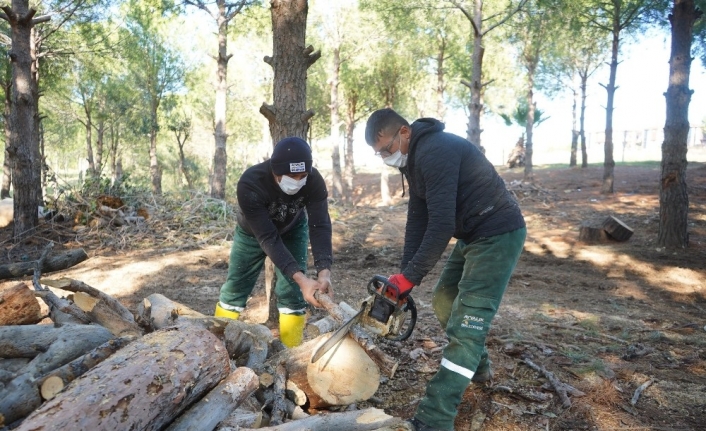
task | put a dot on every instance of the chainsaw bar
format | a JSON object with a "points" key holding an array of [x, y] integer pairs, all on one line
{"points": [[337, 336]]}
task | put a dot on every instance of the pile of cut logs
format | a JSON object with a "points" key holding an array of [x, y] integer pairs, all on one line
{"points": [[85, 362]]}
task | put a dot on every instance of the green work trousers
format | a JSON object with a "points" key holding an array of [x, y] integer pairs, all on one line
{"points": [[465, 300], [246, 261]]}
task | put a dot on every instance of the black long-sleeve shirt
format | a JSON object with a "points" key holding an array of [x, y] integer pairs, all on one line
{"points": [[266, 212], [454, 191]]}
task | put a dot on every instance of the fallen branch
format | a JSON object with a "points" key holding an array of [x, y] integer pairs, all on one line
{"points": [[639, 391], [52, 264], [559, 387]]}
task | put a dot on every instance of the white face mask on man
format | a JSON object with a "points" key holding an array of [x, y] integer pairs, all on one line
{"points": [[291, 186], [396, 160]]}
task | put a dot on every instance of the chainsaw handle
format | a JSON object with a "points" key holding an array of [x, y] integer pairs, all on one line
{"points": [[381, 285]]}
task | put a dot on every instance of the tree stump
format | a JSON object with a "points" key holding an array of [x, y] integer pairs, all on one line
{"points": [[18, 306], [145, 385], [592, 234]]}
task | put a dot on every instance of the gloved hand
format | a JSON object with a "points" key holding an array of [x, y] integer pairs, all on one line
{"points": [[403, 284]]}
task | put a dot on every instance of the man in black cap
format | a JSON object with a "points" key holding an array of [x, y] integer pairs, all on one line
{"points": [[282, 204], [454, 191]]}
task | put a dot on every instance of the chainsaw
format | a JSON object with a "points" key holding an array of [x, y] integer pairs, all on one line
{"points": [[383, 313]]}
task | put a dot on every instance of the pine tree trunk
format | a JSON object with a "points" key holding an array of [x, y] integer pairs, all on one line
{"points": [[609, 162], [155, 169], [574, 130], [7, 165], [529, 175], [220, 156], [582, 120], [334, 81], [290, 60], [99, 147], [673, 196], [88, 125], [475, 107], [22, 146]]}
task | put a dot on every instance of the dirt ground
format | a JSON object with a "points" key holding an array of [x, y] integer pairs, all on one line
{"points": [[603, 318]]}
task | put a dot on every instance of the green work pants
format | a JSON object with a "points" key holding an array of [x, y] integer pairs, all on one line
{"points": [[246, 261], [465, 300]]}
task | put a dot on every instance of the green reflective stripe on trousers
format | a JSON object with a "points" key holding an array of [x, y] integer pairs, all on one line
{"points": [[465, 301], [247, 259]]}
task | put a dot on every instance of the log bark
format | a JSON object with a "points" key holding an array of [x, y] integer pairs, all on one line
{"points": [[18, 306], [616, 229], [328, 323], [219, 403], [387, 365], [161, 312], [21, 395], [343, 376], [102, 313], [145, 385], [51, 264], [57, 380], [28, 341], [356, 420]]}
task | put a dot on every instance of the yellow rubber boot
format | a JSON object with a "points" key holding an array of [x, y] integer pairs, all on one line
{"points": [[291, 329], [222, 312]]}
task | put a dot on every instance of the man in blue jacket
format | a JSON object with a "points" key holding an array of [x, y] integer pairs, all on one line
{"points": [[454, 192], [282, 206]]}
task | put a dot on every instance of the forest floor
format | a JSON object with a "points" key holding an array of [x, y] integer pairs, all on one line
{"points": [[603, 318]]}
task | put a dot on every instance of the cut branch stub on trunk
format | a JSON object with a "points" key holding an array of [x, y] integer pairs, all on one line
{"points": [[18, 306], [144, 385]]}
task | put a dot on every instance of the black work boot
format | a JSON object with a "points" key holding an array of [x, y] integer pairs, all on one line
{"points": [[484, 373], [418, 425]]}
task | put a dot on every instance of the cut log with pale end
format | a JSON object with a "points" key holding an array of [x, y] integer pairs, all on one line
{"points": [[54, 382], [387, 365], [161, 312], [592, 234], [102, 313], [19, 306], [616, 229], [357, 420], [144, 385], [21, 395], [219, 403], [321, 326], [328, 323], [344, 375], [53, 263], [78, 286]]}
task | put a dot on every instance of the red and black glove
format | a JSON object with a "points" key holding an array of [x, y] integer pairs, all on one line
{"points": [[403, 284]]}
